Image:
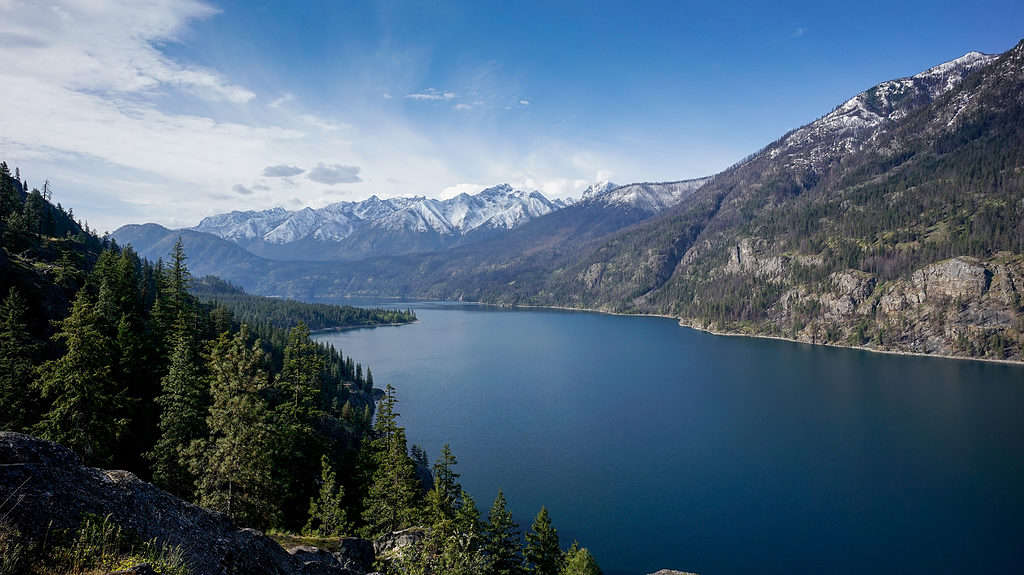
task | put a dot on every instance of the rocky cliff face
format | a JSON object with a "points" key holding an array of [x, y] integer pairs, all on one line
{"points": [[958, 306], [45, 489]]}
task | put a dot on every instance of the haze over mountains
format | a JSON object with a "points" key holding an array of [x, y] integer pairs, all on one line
{"points": [[842, 231]]}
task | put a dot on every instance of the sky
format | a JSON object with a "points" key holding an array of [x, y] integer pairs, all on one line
{"points": [[168, 111]]}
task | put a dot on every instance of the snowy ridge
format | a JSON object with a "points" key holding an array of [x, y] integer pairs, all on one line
{"points": [[650, 197], [859, 120], [499, 207]]}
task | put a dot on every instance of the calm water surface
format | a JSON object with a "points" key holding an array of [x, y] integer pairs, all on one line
{"points": [[662, 447]]}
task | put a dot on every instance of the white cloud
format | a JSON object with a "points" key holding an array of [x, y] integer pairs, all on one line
{"points": [[120, 37], [285, 98], [127, 134], [431, 94], [334, 174], [281, 171], [462, 106], [524, 102]]}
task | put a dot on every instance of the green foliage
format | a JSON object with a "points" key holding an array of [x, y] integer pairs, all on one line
{"points": [[542, 552], [233, 465], [327, 511], [445, 498], [14, 551], [183, 404], [85, 413], [501, 540], [102, 544], [451, 546], [392, 500], [17, 354], [579, 561], [285, 313]]}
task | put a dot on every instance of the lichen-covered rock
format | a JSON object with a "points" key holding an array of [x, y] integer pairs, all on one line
{"points": [[49, 489], [355, 553], [395, 542]]}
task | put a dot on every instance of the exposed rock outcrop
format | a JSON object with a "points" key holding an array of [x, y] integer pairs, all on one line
{"points": [[958, 306], [47, 488]]}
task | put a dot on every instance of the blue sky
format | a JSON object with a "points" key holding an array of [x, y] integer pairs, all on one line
{"points": [[169, 111]]}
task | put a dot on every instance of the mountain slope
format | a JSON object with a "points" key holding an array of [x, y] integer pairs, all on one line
{"points": [[842, 231]]}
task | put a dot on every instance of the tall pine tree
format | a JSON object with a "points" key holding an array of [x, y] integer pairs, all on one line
{"points": [[86, 409], [501, 540], [391, 501], [17, 352], [543, 554], [183, 405], [233, 466]]}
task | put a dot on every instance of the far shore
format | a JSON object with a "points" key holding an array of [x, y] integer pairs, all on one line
{"points": [[683, 323], [360, 326]]}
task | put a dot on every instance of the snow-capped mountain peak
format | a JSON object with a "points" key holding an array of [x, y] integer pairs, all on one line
{"points": [[498, 207]]}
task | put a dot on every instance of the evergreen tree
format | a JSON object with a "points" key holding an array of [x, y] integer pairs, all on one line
{"points": [[233, 466], [9, 201], [543, 554], [444, 499], [17, 351], [183, 405], [327, 511], [85, 411], [452, 546], [394, 489], [296, 414], [501, 540], [579, 561]]}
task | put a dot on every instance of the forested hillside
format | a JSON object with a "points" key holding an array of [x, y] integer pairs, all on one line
{"points": [[222, 400]]}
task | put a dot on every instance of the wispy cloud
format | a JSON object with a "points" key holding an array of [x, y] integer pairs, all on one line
{"points": [[282, 171], [431, 94], [524, 102], [282, 100], [241, 190], [334, 174]]}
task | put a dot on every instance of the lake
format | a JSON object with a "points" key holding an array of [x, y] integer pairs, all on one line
{"points": [[663, 447]]}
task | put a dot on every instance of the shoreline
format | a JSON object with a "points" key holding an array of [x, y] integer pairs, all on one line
{"points": [[363, 326], [682, 323]]}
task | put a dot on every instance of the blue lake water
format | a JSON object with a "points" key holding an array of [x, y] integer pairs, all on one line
{"points": [[662, 447]]}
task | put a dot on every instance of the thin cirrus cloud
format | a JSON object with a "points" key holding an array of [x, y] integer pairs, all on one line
{"points": [[282, 171], [332, 174], [431, 94]]}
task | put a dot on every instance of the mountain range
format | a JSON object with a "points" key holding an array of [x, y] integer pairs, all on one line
{"points": [[892, 222], [375, 226]]}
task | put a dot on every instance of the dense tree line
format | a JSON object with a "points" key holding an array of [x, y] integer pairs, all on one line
{"points": [[282, 313], [134, 371]]}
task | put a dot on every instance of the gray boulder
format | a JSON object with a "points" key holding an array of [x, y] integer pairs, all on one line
{"points": [[47, 488]]}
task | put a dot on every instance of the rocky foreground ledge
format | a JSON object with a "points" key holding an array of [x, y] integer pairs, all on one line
{"points": [[45, 488]]}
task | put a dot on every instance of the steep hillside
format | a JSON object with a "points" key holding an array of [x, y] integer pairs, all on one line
{"points": [[892, 222]]}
